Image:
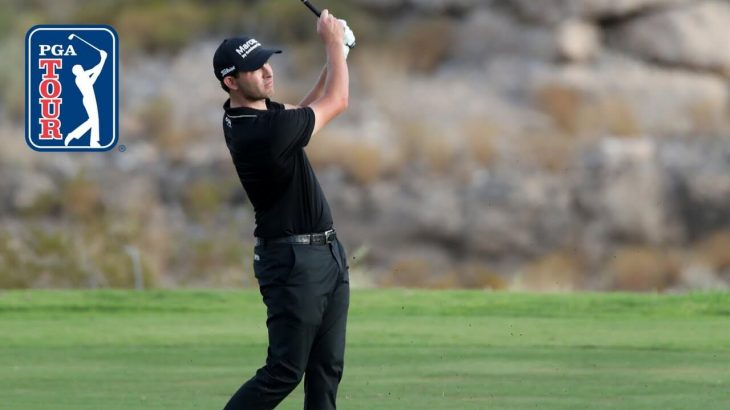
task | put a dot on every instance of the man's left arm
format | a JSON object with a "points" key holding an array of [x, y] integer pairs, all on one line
{"points": [[315, 92]]}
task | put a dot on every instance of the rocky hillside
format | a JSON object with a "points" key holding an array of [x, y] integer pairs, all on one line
{"points": [[553, 144]]}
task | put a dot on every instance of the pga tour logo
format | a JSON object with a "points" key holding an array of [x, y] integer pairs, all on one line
{"points": [[71, 88]]}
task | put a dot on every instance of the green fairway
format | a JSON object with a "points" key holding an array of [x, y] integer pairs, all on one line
{"points": [[406, 350]]}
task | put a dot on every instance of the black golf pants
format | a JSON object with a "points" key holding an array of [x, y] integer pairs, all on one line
{"points": [[306, 291]]}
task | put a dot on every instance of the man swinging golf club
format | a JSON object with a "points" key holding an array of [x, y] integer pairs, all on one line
{"points": [[85, 80], [300, 265]]}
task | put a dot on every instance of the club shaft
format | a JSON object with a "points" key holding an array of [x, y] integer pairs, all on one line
{"points": [[89, 44], [318, 13], [311, 7]]}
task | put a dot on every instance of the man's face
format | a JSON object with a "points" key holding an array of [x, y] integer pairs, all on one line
{"points": [[256, 85]]}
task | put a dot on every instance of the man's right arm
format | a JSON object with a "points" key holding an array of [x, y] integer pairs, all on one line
{"points": [[334, 98]]}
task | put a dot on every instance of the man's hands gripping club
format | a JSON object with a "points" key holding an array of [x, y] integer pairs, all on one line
{"points": [[330, 29], [349, 35]]}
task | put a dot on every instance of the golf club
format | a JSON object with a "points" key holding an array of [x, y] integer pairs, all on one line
{"points": [[311, 7], [317, 13], [72, 36]]}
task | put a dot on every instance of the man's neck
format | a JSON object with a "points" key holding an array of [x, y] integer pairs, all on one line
{"points": [[238, 101]]}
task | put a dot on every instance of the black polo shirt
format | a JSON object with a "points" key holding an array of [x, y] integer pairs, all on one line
{"points": [[267, 148]]}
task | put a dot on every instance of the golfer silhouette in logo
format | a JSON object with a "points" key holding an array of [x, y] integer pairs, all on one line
{"points": [[85, 80]]}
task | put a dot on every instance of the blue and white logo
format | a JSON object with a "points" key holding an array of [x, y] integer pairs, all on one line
{"points": [[71, 88]]}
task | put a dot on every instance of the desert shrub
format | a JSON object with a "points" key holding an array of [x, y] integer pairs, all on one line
{"points": [[562, 104], [157, 26], [438, 153], [202, 198], [575, 113], [559, 271], [218, 257], [549, 151], [417, 272], [81, 197], [612, 115], [6, 19], [441, 281], [478, 276], [46, 204], [480, 141], [11, 77], [644, 269], [40, 256], [155, 117], [420, 144], [361, 161], [707, 119], [715, 251], [409, 271], [424, 45], [13, 271], [157, 125], [113, 267]]}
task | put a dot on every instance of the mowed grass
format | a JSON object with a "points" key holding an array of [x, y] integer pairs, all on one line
{"points": [[406, 350]]}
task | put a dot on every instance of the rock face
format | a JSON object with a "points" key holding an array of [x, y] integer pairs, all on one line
{"points": [[625, 97], [549, 134], [645, 190], [624, 193], [430, 6], [578, 41], [696, 36], [552, 11]]}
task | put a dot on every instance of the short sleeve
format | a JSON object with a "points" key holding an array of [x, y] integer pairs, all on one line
{"points": [[292, 130]]}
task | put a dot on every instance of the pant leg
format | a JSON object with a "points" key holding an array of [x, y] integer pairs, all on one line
{"points": [[295, 282], [326, 359]]}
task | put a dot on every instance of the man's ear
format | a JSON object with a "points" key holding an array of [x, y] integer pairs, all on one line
{"points": [[230, 82]]}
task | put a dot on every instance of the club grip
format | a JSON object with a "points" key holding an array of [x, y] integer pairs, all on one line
{"points": [[311, 7]]}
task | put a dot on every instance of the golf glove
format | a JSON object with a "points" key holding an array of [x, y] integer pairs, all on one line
{"points": [[349, 38]]}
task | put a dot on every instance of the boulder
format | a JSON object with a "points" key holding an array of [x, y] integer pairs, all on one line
{"points": [[699, 183], [553, 11], [514, 212], [577, 41], [429, 6], [623, 97], [32, 186], [488, 34], [695, 37], [623, 192], [441, 6]]}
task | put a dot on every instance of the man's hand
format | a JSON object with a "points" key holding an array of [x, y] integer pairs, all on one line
{"points": [[330, 29]]}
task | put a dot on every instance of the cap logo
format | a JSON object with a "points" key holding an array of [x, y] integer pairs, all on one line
{"points": [[228, 70], [246, 49]]}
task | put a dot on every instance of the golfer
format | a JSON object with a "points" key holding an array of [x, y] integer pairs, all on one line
{"points": [[85, 80], [300, 265]]}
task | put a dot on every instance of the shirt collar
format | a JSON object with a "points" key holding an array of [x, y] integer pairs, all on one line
{"points": [[244, 110]]}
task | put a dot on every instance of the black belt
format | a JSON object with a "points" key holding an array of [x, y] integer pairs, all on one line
{"points": [[304, 239]]}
